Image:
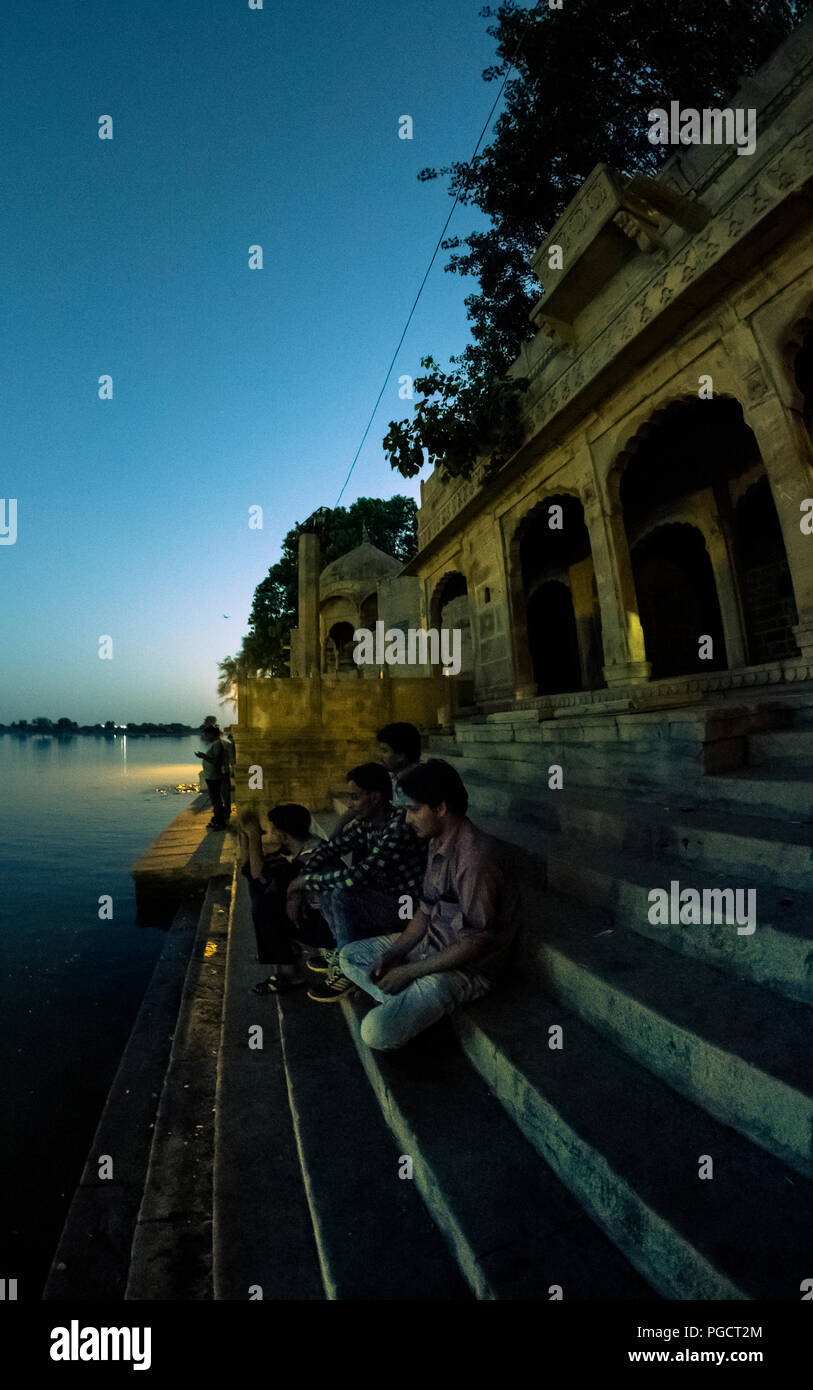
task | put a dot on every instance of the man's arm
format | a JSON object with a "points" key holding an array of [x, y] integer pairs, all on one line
{"points": [[251, 845], [409, 937], [396, 849], [478, 888], [321, 868]]}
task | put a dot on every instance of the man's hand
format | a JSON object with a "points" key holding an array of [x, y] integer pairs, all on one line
{"points": [[383, 964], [396, 979], [297, 885]]}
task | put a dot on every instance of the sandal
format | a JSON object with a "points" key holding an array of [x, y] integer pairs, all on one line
{"points": [[276, 984]]}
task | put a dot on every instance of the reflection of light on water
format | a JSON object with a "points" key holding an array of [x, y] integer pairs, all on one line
{"points": [[124, 749]]}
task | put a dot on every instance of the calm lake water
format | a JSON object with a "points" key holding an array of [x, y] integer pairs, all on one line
{"points": [[74, 815]]}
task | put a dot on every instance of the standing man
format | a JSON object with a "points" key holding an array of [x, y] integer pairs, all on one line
{"points": [[364, 897], [215, 770], [457, 940]]}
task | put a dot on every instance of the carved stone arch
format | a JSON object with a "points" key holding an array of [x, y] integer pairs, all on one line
{"points": [[454, 585], [443, 591], [572, 658], [680, 515], [345, 591], [541, 498], [649, 420], [678, 600], [368, 610], [797, 361]]}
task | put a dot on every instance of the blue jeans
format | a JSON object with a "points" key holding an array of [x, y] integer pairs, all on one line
{"points": [[352, 913], [400, 1017]]}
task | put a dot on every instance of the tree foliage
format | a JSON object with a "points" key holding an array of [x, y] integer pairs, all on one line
{"points": [[389, 524], [584, 79]]}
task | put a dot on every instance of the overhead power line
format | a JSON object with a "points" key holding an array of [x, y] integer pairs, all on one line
{"points": [[438, 245]]}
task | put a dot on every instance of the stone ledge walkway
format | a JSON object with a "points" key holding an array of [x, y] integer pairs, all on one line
{"points": [[182, 859]]}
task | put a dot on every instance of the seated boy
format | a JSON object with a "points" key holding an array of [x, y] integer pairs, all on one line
{"points": [[460, 934], [399, 750], [278, 918]]}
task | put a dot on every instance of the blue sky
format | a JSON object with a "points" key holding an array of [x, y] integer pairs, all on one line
{"points": [[231, 387]]}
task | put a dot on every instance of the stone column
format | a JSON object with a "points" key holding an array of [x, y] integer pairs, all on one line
{"points": [[308, 573], [727, 597], [625, 660], [785, 452], [524, 683], [581, 591]]}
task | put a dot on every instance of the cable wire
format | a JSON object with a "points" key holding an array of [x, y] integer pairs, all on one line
{"points": [[438, 245]]}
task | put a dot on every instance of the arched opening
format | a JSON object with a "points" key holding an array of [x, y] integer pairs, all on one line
{"points": [[368, 613], [553, 639], [339, 649], [687, 473], [765, 581], [678, 602], [450, 608], [559, 594]]}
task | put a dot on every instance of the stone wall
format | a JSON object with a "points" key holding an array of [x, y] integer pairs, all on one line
{"points": [[304, 734], [715, 285]]}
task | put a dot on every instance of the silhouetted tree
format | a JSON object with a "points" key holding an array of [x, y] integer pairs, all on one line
{"points": [[585, 78]]}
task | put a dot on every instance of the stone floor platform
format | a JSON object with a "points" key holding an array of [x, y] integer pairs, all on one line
{"points": [[181, 860]]}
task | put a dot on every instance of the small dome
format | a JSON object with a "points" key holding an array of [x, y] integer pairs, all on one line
{"points": [[365, 562]]}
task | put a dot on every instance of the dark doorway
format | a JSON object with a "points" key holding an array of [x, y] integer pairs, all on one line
{"points": [[765, 583], [339, 653], [677, 601], [554, 550], [553, 640]]}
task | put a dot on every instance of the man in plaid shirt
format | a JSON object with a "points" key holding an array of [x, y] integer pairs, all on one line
{"points": [[364, 898]]}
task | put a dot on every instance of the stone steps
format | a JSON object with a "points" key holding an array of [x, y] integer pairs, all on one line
{"points": [[374, 1237], [263, 1236], [739, 1051], [789, 796], [678, 832], [791, 747], [171, 1254], [629, 1149], [650, 770], [515, 1231], [777, 955], [308, 1204]]}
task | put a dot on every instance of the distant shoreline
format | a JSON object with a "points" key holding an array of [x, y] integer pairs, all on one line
{"points": [[98, 731]]}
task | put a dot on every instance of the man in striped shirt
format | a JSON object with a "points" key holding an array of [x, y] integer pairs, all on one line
{"points": [[459, 935]]}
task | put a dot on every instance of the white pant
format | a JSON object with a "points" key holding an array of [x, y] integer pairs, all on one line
{"points": [[399, 1017]]}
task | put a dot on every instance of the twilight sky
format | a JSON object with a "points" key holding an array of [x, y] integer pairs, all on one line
{"points": [[231, 387]]}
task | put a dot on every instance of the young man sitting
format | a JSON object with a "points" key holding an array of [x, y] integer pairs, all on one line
{"points": [[362, 899], [399, 749], [459, 936], [278, 918]]}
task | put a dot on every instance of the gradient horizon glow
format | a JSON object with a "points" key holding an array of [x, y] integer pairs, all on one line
{"points": [[232, 387]]}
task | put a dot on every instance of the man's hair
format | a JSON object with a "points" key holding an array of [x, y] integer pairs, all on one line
{"points": [[372, 777], [295, 820], [402, 738], [435, 781], [212, 730]]}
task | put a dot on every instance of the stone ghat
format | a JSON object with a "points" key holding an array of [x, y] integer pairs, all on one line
{"points": [[181, 860]]}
